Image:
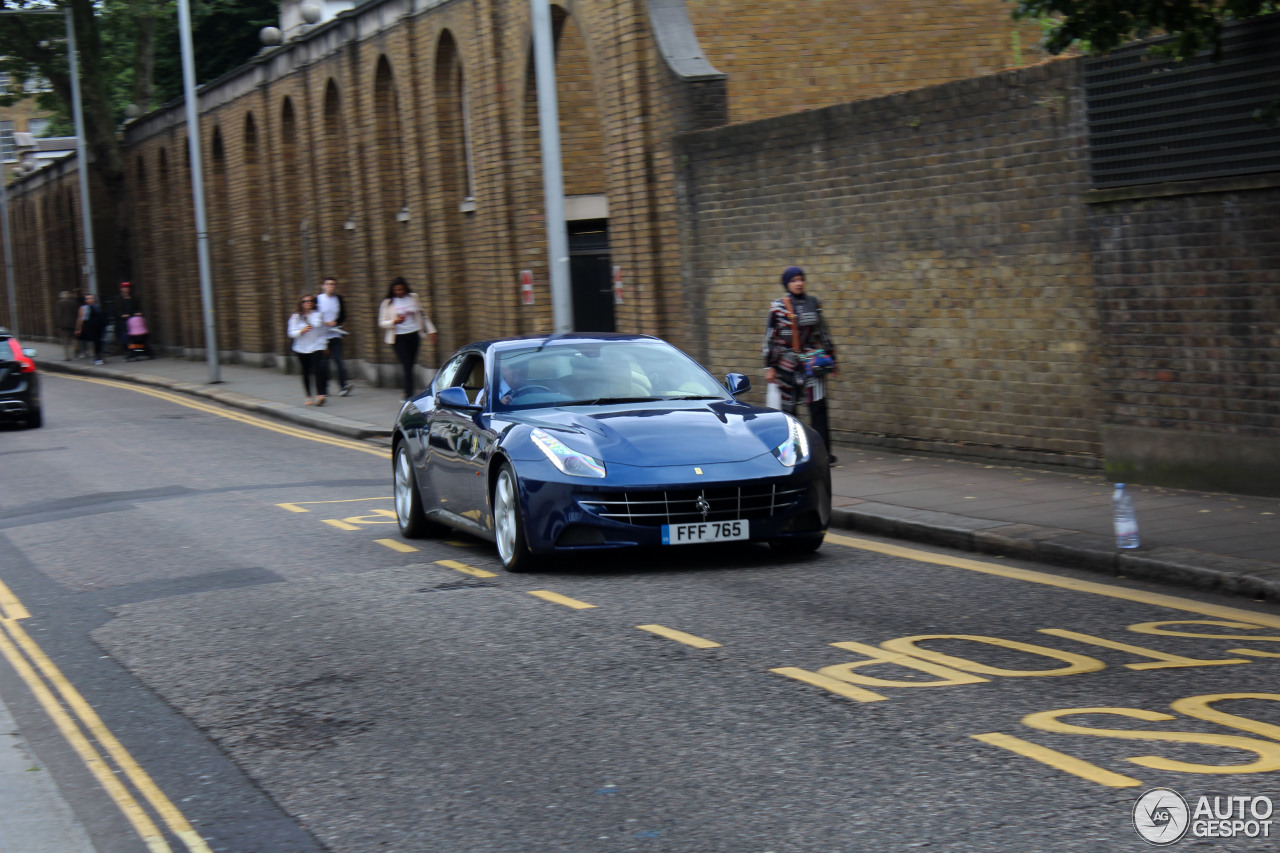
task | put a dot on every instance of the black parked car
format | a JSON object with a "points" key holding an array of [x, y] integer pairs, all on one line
{"points": [[19, 382]]}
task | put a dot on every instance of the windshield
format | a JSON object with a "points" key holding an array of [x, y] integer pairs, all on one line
{"points": [[589, 372]]}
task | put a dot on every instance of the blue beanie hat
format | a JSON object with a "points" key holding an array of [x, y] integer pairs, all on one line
{"points": [[790, 273]]}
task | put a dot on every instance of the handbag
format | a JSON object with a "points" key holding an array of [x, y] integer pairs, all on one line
{"points": [[814, 362]]}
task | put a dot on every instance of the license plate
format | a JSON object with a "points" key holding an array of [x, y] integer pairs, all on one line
{"points": [[706, 531]]}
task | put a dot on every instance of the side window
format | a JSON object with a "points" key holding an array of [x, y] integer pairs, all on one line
{"points": [[469, 375], [445, 377]]}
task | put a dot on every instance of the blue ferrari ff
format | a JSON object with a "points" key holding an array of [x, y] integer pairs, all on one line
{"points": [[582, 442]]}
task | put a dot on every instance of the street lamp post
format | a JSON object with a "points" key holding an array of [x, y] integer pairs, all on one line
{"points": [[197, 188], [82, 158], [8, 249]]}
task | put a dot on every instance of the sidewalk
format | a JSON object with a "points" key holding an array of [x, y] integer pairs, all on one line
{"points": [[1230, 543], [35, 817]]}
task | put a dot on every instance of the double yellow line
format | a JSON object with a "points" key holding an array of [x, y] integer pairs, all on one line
{"points": [[130, 787], [103, 755], [229, 414]]}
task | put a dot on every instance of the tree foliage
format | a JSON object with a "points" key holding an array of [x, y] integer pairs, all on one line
{"points": [[129, 53], [1099, 26]]}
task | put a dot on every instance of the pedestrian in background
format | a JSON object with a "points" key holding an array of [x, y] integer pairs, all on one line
{"points": [[334, 313], [402, 317], [127, 307], [91, 324], [799, 352], [310, 337], [139, 338], [82, 346], [65, 313]]}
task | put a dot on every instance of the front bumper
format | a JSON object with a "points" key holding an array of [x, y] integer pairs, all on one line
{"points": [[629, 508]]}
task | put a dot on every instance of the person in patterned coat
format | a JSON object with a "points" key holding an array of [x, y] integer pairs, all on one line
{"points": [[795, 327]]}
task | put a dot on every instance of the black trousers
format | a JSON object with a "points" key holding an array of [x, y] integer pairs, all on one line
{"points": [[818, 414], [315, 366], [335, 353], [406, 347]]}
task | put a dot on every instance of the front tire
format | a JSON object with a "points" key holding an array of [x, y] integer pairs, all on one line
{"points": [[508, 523], [409, 515]]}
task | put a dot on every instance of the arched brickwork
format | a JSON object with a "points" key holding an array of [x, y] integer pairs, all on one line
{"points": [[391, 180], [338, 214], [220, 248], [254, 276], [162, 282], [291, 223], [454, 190], [357, 120]]}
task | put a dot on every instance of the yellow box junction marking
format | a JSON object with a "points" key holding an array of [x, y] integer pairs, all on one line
{"points": [[301, 506], [840, 688], [679, 636], [465, 569], [341, 525], [41, 674], [1163, 660], [396, 545], [557, 598]]}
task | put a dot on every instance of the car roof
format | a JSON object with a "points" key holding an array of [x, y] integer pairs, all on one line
{"points": [[523, 341]]}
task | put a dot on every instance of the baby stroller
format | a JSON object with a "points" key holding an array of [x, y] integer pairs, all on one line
{"points": [[139, 347]]}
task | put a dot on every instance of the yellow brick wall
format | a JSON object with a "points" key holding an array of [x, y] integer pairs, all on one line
{"points": [[784, 57], [371, 124]]}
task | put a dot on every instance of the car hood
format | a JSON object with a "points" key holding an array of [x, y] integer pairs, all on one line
{"points": [[665, 433]]}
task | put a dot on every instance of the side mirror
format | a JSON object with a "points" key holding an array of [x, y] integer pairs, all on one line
{"points": [[737, 383], [455, 398]]}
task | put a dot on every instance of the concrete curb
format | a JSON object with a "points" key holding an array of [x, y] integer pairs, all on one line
{"points": [[278, 411], [1182, 566]]}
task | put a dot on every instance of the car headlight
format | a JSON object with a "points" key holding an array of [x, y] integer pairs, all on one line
{"points": [[796, 447], [565, 458]]}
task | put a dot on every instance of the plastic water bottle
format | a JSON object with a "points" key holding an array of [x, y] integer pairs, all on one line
{"points": [[1126, 521]]}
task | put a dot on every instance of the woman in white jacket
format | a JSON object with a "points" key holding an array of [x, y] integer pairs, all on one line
{"points": [[310, 338], [402, 317]]}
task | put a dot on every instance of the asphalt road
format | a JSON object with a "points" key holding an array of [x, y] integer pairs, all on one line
{"points": [[271, 665]]}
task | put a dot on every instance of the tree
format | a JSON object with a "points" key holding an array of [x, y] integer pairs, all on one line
{"points": [[1099, 26], [124, 45]]}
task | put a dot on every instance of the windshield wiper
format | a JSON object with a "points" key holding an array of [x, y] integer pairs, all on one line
{"points": [[689, 397], [602, 401]]}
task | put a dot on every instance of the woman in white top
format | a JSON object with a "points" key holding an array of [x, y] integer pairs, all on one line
{"points": [[310, 338], [402, 317]]}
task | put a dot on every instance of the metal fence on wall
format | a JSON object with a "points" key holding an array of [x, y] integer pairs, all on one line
{"points": [[1153, 120]]}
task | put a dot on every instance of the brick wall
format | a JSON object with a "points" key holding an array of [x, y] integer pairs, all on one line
{"points": [[1188, 279], [313, 151], [944, 231], [785, 57]]}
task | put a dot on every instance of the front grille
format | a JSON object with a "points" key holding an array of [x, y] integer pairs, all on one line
{"points": [[656, 507]]}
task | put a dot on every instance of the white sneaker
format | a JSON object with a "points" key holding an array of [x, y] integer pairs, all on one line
{"points": [[346, 389]]}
